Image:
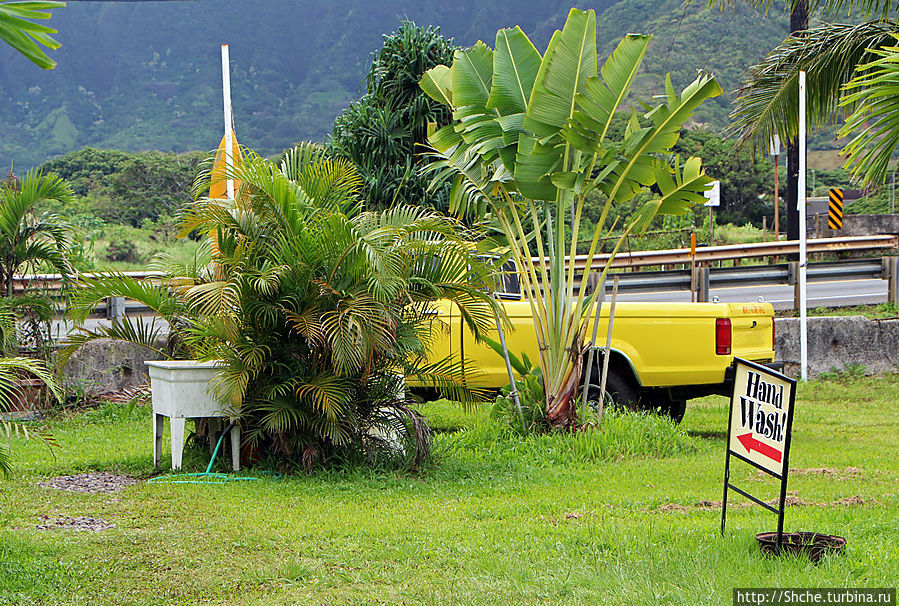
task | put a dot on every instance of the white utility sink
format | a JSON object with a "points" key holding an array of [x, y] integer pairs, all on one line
{"points": [[180, 391]]}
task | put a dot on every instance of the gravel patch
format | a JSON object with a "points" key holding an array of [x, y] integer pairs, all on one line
{"points": [[100, 481], [80, 523]]}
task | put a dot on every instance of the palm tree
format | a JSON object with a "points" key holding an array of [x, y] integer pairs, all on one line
{"points": [[28, 242], [317, 307], [532, 138], [831, 55], [12, 370], [24, 35]]}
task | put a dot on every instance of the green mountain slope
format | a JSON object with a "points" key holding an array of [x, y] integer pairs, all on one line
{"points": [[140, 76]]}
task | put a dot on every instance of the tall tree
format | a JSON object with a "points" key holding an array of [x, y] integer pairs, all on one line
{"points": [[830, 54], [383, 132]]}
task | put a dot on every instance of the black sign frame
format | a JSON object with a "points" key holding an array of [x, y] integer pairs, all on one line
{"points": [[786, 455]]}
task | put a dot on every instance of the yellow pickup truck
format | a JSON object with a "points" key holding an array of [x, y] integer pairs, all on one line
{"points": [[662, 354]]}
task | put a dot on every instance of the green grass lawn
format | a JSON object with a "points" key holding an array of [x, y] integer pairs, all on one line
{"points": [[489, 522]]}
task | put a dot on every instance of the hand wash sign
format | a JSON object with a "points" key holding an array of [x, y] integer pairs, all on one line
{"points": [[760, 417]]}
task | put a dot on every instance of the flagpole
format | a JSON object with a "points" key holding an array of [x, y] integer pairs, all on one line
{"points": [[229, 139], [803, 237]]}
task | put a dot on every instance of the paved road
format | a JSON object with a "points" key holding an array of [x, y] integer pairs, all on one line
{"points": [[820, 294]]}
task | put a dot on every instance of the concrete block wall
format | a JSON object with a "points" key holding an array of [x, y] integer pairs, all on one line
{"points": [[105, 366], [837, 342], [854, 225]]}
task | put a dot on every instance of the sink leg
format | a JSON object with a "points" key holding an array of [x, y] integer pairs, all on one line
{"points": [[235, 447], [157, 438], [177, 427]]}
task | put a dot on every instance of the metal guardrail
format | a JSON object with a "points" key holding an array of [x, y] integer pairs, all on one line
{"points": [[724, 277], [706, 254], [706, 278], [698, 281]]}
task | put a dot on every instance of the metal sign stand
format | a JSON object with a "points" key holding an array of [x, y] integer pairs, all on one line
{"points": [[780, 459]]}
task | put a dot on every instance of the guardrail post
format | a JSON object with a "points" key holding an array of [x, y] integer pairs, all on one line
{"points": [[891, 273], [115, 308], [793, 279], [702, 284]]}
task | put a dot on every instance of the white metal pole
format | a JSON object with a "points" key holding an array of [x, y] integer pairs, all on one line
{"points": [[229, 141], [803, 237], [607, 352]]}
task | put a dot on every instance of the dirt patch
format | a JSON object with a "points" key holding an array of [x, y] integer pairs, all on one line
{"points": [[851, 501], [850, 473], [80, 523], [792, 500], [673, 507], [99, 481]]}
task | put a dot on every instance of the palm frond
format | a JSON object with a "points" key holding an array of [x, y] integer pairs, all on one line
{"points": [[12, 369], [158, 297], [874, 92], [455, 378], [19, 31], [767, 101]]}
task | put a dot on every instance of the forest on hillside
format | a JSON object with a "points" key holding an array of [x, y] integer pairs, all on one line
{"points": [[146, 76]]}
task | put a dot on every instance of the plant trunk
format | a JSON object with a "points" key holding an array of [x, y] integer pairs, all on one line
{"points": [[561, 411]]}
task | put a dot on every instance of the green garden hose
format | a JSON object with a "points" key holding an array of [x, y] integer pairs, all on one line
{"points": [[206, 477]]}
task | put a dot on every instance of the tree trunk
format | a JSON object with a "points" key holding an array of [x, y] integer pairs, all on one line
{"points": [[798, 23]]}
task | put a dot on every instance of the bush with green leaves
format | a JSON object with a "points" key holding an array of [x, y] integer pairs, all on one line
{"points": [[122, 250]]}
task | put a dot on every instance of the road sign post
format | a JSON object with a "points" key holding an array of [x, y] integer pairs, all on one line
{"points": [[758, 432], [713, 194], [775, 151]]}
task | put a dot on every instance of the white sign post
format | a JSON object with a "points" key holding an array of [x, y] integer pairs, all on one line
{"points": [[775, 152], [803, 237], [759, 428], [713, 193]]}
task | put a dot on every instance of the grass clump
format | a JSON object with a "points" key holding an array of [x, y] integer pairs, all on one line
{"points": [[880, 311], [623, 434]]}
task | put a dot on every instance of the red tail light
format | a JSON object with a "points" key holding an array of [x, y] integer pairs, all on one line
{"points": [[722, 336]]}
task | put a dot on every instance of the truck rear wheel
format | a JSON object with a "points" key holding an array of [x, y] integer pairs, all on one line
{"points": [[676, 410], [619, 388], [622, 391]]}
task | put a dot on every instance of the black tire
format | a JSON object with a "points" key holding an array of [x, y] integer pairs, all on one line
{"points": [[619, 388], [622, 391], [676, 410]]}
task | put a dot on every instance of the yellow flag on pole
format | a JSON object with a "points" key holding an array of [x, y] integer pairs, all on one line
{"points": [[219, 187]]}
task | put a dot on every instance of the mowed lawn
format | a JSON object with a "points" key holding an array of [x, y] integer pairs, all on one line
{"points": [[495, 523]]}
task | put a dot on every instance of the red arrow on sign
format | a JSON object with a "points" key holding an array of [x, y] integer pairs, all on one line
{"points": [[750, 444]]}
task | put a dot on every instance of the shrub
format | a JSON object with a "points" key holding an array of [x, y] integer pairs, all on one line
{"points": [[123, 251]]}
